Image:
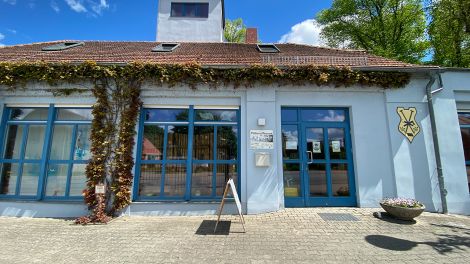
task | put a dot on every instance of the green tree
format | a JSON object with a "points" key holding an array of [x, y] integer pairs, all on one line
{"points": [[389, 28], [449, 32], [235, 31]]}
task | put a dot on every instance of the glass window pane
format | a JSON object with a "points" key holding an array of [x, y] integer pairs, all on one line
{"points": [[175, 180], [321, 115], [56, 179], [339, 179], [9, 174], [227, 142], [203, 10], [13, 142], [216, 115], [291, 180], [82, 149], [336, 143], [152, 142], [190, 10], [203, 143], [78, 180], [74, 114], [224, 173], [468, 177], [176, 9], [318, 182], [464, 118], [166, 115], [61, 142], [201, 181], [29, 179], [288, 115], [290, 142], [35, 142], [177, 145], [37, 114], [466, 142], [315, 143], [150, 180]]}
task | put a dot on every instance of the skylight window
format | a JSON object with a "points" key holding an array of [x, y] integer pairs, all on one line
{"points": [[268, 48], [166, 47], [63, 46]]}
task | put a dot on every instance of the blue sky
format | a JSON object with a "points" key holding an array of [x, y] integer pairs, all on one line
{"points": [[26, 21]]}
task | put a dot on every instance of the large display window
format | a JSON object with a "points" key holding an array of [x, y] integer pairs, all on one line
{"points": [[44, 152], [186, 153]]}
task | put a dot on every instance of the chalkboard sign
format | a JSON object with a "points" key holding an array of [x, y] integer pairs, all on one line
{"points": [[230, 185]]}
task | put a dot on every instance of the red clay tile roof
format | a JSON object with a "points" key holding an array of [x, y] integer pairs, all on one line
{"points": [[213, 54]]}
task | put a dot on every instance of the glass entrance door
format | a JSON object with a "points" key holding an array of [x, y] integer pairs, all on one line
{"points": [[322, 168]]}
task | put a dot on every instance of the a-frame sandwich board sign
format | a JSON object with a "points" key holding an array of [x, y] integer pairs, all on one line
{"points": [[230, 186]]}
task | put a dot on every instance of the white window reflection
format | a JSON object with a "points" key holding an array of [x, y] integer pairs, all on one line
{"points": [[317, 115]]}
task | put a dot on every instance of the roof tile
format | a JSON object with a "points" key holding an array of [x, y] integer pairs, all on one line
{"points": [[213, 54]]}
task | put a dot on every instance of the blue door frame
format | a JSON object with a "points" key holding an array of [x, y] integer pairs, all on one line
{"points": [[304, 199]]}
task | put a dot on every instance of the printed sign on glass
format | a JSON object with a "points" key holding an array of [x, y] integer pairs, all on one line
{"points": [[336, 146], [292, 145], [316, 147]]}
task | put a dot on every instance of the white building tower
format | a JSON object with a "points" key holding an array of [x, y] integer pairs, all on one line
{"points": [[190, 21]]}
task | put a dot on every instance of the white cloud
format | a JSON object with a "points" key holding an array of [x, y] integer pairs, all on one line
{"points": [[12, 31], [306, 32], [11, 2], [93, 7], [76, 6], [55, 6], [99, 7]]}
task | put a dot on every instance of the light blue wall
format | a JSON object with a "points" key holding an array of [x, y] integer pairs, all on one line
{"points": [[385, 163], [414, 163]]}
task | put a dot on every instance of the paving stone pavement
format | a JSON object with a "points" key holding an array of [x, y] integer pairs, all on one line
{"points": [[287, 236]]}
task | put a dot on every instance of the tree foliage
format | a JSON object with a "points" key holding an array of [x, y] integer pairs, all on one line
{"points": [[235, 31], [449, 32], [390, 28]]}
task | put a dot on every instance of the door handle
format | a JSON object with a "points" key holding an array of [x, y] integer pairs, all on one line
{"points": [[310, 157]]}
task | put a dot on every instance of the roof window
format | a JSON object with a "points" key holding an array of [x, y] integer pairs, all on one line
{"points": [[268, 48], [166, 47], [63, 46]]}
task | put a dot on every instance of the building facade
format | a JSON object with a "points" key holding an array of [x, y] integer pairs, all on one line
{"points": [[284, 145]]}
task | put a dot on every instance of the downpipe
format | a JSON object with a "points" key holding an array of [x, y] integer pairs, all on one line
{"points": [[437, 153]]}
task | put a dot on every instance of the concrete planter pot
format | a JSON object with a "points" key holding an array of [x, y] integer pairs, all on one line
{"points": [[403, 213]]}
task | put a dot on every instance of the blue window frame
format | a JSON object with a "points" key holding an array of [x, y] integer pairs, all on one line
{"points": [[464, 121], [194, 10], [44, 152], [186, 154]]}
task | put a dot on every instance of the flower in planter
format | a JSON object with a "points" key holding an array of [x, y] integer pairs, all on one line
{"points": [[402, 202]]}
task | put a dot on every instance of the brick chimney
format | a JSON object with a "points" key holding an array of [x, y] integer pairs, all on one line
{"points": [[251, 36]]}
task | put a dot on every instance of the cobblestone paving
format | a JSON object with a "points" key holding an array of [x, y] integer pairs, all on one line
{"points": [[288, 236]]}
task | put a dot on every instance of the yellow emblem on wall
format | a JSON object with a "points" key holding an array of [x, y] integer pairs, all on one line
{"points": [[408, 126]]}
